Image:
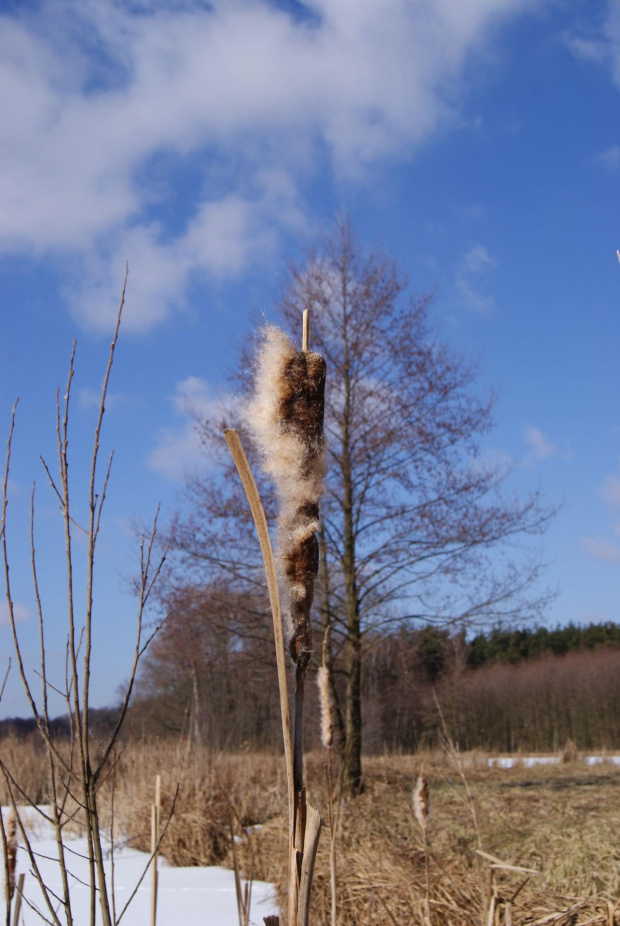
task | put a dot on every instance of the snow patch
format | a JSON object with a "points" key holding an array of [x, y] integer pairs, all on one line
{"points": [[185, 896]]}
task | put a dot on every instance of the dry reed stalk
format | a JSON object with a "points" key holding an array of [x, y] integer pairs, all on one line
{"points": [[422, 811], [260, 522], [243, 896], [18, 899]]}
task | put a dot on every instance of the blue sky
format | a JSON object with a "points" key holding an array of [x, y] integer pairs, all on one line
{"points": [[206, 144]]}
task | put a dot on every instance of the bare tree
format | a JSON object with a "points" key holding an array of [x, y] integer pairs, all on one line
{"points": [[414, 527]]}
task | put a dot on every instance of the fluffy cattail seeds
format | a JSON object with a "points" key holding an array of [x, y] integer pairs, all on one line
{"points": [[327, 722], [421, 803], [11, 853], [285, 418]]}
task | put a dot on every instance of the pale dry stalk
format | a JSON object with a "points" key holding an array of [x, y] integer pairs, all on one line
{"points": [[327, 738], [422, 811]]}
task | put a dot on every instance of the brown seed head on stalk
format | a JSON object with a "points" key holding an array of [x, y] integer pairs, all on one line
{"points": [[11, 853], [327, 722], [421, 803], [285, 418]]}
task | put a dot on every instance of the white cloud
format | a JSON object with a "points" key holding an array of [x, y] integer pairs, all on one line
{"points": [[610, 158], [477, 259], [258, 93], [601, 45], [20, 612], [474, 264], [177, 452], [91, 398], [540, 446], [611, 492], [222, 240], [473, 299], [602, 550]]}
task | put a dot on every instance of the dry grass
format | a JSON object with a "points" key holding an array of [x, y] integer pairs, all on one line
{"points": [[563, 820]]}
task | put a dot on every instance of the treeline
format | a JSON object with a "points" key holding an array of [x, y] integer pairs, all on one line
{"points": [[535, 704], [210, 676], [514, 646], [101, 722]]}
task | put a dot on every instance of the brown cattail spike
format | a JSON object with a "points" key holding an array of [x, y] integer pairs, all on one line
{"points": [[285, 418], [302, 406]]}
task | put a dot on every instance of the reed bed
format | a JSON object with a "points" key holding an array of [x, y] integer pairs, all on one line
{"points": [[562, 820]]}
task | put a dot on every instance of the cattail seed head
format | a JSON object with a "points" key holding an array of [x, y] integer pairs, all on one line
{"points": [[11, 853], [285, 419], [421, 803], [327, 722]]}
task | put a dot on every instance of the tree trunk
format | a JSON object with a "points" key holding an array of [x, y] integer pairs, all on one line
{"points": [[353, 708], [352, 778], [326, 622]]}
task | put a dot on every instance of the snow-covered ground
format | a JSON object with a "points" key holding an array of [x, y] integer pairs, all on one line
{"points": [[529, 761], [186, 896]]}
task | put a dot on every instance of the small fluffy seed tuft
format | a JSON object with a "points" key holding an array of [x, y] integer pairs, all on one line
{"points": [[421, 803], [327, 722]]}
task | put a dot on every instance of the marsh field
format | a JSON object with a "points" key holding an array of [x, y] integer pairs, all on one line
{"points": [[560, 821]]}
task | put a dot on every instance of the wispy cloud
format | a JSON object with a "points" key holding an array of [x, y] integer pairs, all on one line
{"points": [[540, 447], [609, 158], [469, 283], [20, 611], [91, 398], [255, 93], [178, 452], [610, 491], [603, 550], [600, 43], [477, 259]]}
